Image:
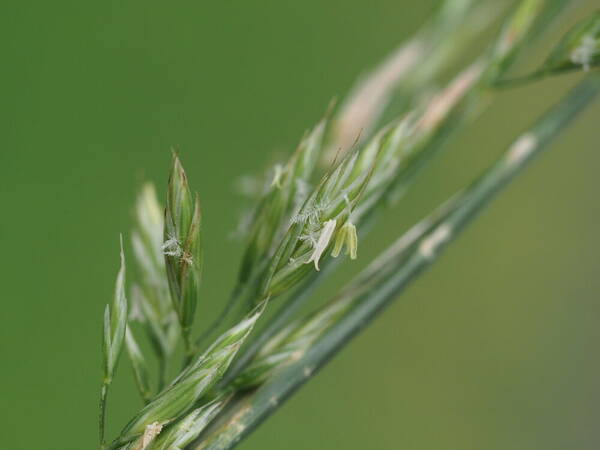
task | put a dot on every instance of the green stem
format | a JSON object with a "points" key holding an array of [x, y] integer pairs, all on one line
{"points": [[102, 418], [256, 407]]}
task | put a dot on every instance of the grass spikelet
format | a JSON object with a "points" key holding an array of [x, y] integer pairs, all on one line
{"points": [[150, 295], [182, 249], [312, 228], [115, 324], [288, 190]]}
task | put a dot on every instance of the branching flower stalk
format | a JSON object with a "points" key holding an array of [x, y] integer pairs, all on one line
{"points": [[309, 216]]}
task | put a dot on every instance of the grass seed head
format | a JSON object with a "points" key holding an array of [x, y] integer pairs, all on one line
{"points": [[182, 246], [115, 322]]}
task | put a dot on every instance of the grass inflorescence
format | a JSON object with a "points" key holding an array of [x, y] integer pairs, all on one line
{"points": [[316, 207]]}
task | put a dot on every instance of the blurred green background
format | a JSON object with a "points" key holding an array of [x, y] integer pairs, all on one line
{"points": [[496, 347]]}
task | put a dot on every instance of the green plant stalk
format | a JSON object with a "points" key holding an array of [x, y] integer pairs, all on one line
{"points": [[102, 415], [253, 409]]}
